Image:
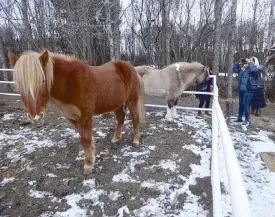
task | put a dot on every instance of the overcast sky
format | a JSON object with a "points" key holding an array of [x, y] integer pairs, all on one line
{"points": [[246, 12]]}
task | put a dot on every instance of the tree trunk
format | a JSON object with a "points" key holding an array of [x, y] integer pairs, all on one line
{"points": [[3, 64], [217, 46], [271, 26], [26, 23], [231, 46], [113, 23], [165, 29], [252, 38], [115, 29]]}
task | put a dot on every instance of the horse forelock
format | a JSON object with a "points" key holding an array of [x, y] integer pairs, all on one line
{"points": [[29, 74]]}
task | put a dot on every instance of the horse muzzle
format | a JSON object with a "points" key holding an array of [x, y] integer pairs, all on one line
{"points": [[36, 118]]}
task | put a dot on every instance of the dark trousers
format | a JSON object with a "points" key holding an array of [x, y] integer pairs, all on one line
{"points": [[244, 104], [204, 99]]}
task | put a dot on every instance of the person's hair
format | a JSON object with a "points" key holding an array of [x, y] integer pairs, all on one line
{"points": [[243, 61]]}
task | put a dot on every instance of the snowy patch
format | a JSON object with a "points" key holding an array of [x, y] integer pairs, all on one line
{"points": [[6, 181], [51, 175], [259, 179], [63, 166], [101, 134], [38, 194], [168, 165], [8, 117], [123, 177], [73, 200], [114, 195]]}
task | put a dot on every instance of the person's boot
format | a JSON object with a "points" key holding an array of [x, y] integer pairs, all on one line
{"points": [[200, 113], [207, 113], [258, 113], [252, 111]]}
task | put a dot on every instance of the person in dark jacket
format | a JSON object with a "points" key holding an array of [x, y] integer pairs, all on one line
{"points": [[206, 86], [245, 69], [258, 98]]}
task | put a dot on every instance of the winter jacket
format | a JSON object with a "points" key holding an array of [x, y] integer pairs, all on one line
{"points": [[243, 75], [258, 98]]}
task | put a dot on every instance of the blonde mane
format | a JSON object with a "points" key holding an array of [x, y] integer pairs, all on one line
{"points": [[29, 74]]}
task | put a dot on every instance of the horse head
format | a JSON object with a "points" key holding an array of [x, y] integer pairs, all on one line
{"points": [[203, 73], [33, 76]]}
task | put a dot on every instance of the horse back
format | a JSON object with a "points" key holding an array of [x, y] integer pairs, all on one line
{"points": [[116, 82], [92, 89]]}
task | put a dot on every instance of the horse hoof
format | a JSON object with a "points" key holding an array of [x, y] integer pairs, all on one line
{"points": [[169, 120], [88, 171], [136, 143], [115, 140]]}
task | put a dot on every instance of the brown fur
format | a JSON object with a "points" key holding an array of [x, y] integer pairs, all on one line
{"points": [[82, 91]]}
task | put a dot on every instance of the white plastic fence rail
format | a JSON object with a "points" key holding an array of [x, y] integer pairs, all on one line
{"points": [[8, 82], [237, 191], [238, 195]]}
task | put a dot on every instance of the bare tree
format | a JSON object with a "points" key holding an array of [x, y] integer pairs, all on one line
{"points": [[165, 10], [3, 62], [26, 23], [231, 48], [252, 38], [271, 26], [217, 46]]}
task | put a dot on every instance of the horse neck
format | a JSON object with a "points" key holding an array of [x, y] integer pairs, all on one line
{"points": [[61, 70], [188, 78]]}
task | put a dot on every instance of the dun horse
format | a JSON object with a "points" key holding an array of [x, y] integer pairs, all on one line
{"points": [[171, 81], [80, 91]]}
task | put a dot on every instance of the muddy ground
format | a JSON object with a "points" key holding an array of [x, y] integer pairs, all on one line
{"points": [[42, 167]]}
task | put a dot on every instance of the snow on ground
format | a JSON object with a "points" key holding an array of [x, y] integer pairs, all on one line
{"points": [[259, 180], [168, 195]]}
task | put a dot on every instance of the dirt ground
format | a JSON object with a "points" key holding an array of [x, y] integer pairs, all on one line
{"points": [[42, 166]]}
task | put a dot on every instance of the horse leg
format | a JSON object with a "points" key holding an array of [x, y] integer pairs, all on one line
{"points": [[74, 122], [85, 130], [170, 105], [133, 108], [174, 109], [120, 116]]}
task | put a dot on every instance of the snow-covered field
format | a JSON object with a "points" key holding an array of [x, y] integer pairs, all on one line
{"points": [[169, 175]]}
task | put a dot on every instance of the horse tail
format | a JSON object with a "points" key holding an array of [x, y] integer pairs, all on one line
{"points": [[141, 100]]}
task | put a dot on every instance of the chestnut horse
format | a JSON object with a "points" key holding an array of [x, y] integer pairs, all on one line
{"points": [[80, 91]]}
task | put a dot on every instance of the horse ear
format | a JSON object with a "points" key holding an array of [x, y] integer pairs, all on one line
{"points": [[206, 70], [12, 58], [44, 58]]}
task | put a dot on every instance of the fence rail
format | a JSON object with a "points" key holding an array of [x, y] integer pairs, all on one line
{"points": [[238, 195]]}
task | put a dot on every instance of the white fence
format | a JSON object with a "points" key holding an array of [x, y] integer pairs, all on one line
{"points": [[238, 194]]}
